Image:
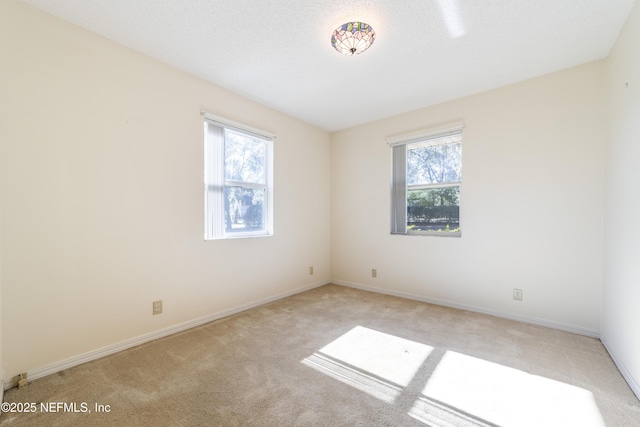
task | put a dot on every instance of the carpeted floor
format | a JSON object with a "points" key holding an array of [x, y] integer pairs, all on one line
{"points": [[337, 356]]}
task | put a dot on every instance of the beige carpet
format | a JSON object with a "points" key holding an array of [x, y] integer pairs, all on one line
{"points": [[336, 356]]}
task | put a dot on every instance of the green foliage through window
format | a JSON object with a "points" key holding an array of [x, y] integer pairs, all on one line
{"points": [[434, 175], [238, 182]]}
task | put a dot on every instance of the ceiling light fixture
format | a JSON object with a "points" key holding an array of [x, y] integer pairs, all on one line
{"points": [[353, 38]]}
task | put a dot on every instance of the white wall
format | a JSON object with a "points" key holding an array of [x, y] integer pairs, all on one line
{"points": [[621, 298], [532, 197], [102, 195]]}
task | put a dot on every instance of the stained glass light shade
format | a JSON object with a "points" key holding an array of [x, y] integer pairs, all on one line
{"points": [[353, 38]]}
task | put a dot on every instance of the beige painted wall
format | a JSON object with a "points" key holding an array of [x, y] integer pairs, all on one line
{"points": [[102, 195], [532, 197], [620, 313]]}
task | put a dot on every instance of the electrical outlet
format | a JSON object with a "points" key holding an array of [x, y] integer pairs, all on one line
{"points": [[22, 380], [311, 270], [157, 307], [374, 272], [517, 294]]}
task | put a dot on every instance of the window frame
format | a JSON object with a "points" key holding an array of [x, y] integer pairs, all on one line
{"points": [[399, 180], [216, 182]]}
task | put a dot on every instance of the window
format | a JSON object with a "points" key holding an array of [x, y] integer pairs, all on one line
{"points": [[426, 181], [238, 180]]}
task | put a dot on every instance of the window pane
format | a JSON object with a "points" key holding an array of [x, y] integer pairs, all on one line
{"points": [[436, 209], [434, 164], [244, 158], [243, 209]]}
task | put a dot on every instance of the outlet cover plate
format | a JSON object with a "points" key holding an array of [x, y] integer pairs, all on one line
{"points": [[517, 294], [157, 307]]}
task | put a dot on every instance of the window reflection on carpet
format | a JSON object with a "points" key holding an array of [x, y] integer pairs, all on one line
{"points": [[506, 396], [374, 362], [460, 391]]}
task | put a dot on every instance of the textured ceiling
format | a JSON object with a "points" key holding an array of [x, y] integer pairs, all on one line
{"points": [[279, 52]]}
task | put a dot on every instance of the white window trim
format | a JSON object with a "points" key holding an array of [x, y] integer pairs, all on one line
{"points": [[214, 230], [430, 133], [399, 187], [222, 121]]}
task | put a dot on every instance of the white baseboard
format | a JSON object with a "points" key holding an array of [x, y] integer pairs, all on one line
{"points": [[633, 384], [34, 374], [532, 320]]}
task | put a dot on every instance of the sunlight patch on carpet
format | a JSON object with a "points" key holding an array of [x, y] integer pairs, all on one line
{"points": [[376, 363], [504, 396], [462, 391], [376, 387], [433, 413]]}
